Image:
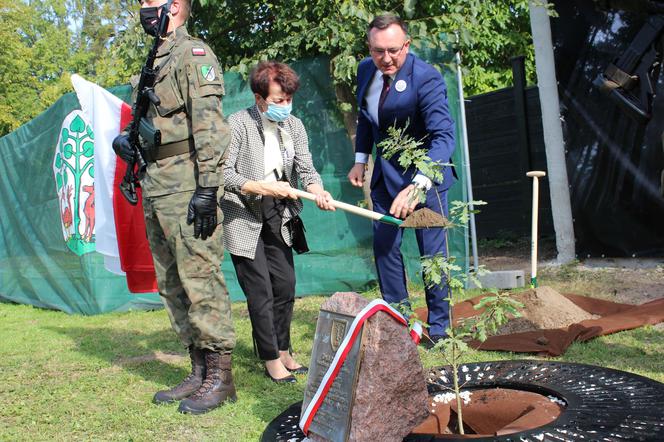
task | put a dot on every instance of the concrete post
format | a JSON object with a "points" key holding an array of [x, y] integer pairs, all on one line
{"points": [[553, 133]]}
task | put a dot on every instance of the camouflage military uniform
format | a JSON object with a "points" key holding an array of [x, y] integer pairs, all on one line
{"points": [[189, 85]]}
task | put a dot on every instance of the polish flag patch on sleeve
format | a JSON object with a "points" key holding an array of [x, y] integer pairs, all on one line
{"points": [[197, 51]]}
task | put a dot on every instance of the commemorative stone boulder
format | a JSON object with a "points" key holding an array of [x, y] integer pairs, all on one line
{"points": [[380, 392]]}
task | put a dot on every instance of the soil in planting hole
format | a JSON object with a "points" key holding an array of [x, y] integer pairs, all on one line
{"points": [[490, 412]]}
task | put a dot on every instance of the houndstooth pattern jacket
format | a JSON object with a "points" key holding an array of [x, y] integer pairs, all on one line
{"points": [[244, 161]]}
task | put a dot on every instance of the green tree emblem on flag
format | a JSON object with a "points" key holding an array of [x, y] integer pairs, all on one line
{"points": [[73, 168]]}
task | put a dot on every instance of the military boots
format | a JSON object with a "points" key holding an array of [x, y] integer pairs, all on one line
{"points": [[217, 388], [190, 384]]}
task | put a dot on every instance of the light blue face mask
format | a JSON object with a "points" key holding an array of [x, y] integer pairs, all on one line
{"points": [[278, 113]]}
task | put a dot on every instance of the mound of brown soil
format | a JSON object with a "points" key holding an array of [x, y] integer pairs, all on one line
{"points": [[544, 308]]}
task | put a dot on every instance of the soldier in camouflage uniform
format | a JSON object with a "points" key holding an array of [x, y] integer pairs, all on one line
{"points": [[180, 202]]}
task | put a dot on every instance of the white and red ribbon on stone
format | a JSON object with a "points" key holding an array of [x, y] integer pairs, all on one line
{"points": [[375, 306]]}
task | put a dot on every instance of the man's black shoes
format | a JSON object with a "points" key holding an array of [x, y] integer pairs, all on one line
{"points": [[429, 342]]}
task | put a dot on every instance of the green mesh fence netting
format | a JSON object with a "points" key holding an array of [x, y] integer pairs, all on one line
{"points": [[38, 268]]}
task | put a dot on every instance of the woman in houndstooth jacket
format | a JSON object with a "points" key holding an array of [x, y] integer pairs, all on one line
{"points": [[267, 156]]}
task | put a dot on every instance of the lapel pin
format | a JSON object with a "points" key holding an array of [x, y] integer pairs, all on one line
{"points": [[400, 86]]}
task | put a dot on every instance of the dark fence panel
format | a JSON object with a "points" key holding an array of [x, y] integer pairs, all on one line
{"points": [[505, 141]]}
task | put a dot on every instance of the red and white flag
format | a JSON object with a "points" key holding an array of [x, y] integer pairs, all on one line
{"points": [[120, 227]]}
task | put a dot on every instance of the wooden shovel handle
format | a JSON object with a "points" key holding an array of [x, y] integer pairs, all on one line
{"points": [[352, 209]]}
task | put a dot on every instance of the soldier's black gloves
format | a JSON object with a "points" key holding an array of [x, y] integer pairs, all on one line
{"points": [[123, 149], [202, 211]]}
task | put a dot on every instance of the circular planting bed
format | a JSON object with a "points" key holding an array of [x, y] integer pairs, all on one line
{"points": [[490, 411], [530, 401]]}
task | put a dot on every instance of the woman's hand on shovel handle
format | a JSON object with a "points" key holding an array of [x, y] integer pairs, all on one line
{"points": [[277, 189], [323, 197], [405, 202]]}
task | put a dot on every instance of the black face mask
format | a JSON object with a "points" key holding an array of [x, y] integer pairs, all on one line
{"points": [[150, 20]]}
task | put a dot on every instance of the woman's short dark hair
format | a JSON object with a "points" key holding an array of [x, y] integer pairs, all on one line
{"points": [[267, 71], [384, 21]]}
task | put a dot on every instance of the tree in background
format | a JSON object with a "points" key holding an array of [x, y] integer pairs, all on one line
{"points": [[33, 59], [106, 41], [244, 32], [44, 41]]}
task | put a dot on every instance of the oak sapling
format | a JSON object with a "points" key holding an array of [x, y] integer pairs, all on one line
{"points": [[442, 268]]}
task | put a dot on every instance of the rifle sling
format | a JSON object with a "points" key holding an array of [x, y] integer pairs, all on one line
{"points": [[170, 150]]}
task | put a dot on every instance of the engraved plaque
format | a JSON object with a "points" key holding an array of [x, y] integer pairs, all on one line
{"points": [[332, 421]]}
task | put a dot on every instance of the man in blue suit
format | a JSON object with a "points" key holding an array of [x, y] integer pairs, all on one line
{"points": [[395, 88]]}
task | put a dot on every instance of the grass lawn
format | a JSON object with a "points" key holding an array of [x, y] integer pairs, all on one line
{"points": [[92, 378]]}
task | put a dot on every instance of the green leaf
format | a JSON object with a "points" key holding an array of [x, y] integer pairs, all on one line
{"points": [[77, 125], [485, 301], [345, 107], [69, 151], [88, 149], [409, 8]]}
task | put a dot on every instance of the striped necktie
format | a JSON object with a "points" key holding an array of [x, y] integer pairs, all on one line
{"points": [[383, 93]]}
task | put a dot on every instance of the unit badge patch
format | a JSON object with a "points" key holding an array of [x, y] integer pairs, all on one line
{"points": [[208, 72]]}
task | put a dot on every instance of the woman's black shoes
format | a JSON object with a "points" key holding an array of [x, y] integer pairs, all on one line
{"points": [[285, 380], [299, 370]]}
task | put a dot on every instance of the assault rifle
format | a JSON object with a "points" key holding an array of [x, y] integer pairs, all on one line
{"points": [[630, 79], [140, 128]]}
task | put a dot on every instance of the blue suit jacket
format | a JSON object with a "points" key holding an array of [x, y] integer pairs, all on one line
{"points": [[422, 105]]}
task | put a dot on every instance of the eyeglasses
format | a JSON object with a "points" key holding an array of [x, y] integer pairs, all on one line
{"points": [[392, 52]]}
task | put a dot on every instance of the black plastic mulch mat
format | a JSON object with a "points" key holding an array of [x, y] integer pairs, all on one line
{"points": [[601, 404]]}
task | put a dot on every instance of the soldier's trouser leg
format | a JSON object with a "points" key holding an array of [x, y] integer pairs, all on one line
{"points": [[189, 275]]}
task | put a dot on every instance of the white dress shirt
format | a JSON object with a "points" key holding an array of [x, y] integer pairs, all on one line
{"points": [[272, 157]]}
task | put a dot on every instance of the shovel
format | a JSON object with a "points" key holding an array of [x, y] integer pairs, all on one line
{"points": [[535, 175], [422, 218]]}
